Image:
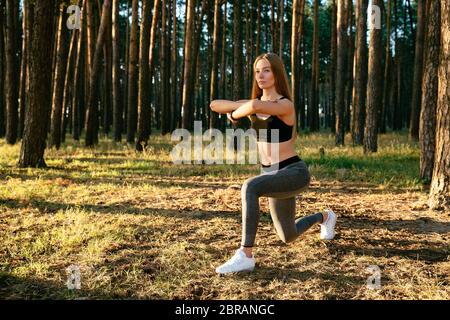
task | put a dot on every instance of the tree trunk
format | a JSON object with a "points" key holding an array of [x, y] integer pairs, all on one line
{"points": [[238, 56], [38, 114], [374, 93], [58, 82], [68, 87], [116, 87], [418, 72], [92, 111], [107, 110], [173, 68], [333, 66], [215, 62], [188, 63], [295, 55], [385, 107], [359, 90], [340, 71], [164, 63], [350, 56], [11, 79], [313, 107], [440, 183], [427, 128], [132, 74], [144, 85], [281, 28], [2, 70], [24, 82]]}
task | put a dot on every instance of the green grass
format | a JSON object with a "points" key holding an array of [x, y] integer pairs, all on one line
{"points": [[139, 226]]}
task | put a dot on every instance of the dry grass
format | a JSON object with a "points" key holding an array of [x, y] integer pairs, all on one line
{"points": [[141, 227]]}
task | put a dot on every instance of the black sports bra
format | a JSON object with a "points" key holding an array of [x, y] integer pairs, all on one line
{"points": [[271, 123]]}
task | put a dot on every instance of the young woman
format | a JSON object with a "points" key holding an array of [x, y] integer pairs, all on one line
{"points": [[284, 174]]}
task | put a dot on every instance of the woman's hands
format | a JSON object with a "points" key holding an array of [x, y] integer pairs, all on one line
{"points": [[229, 118]]}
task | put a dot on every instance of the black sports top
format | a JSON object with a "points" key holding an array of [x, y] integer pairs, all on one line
{"points": [[272, 122]]}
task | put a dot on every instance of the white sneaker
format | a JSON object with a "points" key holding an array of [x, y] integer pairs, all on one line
{"points": [[327, 227], [239, 262]]}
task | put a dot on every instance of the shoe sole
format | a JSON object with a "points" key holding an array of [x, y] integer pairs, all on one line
{"points": [[245, 270]]}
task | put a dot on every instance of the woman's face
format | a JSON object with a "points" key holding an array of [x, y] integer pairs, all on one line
{"points": [[263, 74]]}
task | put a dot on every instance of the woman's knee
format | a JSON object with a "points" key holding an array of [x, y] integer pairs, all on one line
{"points": [[248, 187], [287, 238]]}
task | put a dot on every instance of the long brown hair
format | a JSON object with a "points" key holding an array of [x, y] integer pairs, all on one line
{"points": [[281, 81]]}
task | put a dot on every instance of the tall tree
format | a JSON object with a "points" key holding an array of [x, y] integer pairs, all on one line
{"points": [[92, 107], [440, 183], [313, 107], [59, 78], [2, 70], [11, 79], [107, 52], [281, 19], [238, 84], [214, 93], [77, 95], [173, 68], [374, 83], [24, 82], [418, 72], [387, 71], [340, 70], [360, 70], [132, 74], [427, 128], [188, 63], [333, 64], [38, 114], [164, 69], [143, 84], [116, 86]]}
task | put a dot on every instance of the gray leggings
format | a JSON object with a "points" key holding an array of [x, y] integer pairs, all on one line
{"points": [[280, 186]]}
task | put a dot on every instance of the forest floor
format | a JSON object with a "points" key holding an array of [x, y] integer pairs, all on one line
{"points": [[138, 226]]}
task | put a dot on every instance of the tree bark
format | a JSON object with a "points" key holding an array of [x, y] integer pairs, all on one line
{"points": [[174, 68], [187, 84], [24, 82], [38, 115], [313, 107], [427, 128], [116, 86], [2, 70], [11, 72], [58, 82], [440, 183], [360, 69], [92, 111], [132, 74], [144, 85], [418, 72], [238, 56], [340, 71], [333, 63], [214, 93], [385, 107], [374, 90]]}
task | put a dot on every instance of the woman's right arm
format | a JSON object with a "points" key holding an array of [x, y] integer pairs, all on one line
{"points": [[225, 106]]}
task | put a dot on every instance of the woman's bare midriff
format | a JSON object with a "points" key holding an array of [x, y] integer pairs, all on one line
{"points": [[268, 151]]}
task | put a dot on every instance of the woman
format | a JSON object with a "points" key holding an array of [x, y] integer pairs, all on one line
{"points": [[284, 174]]}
